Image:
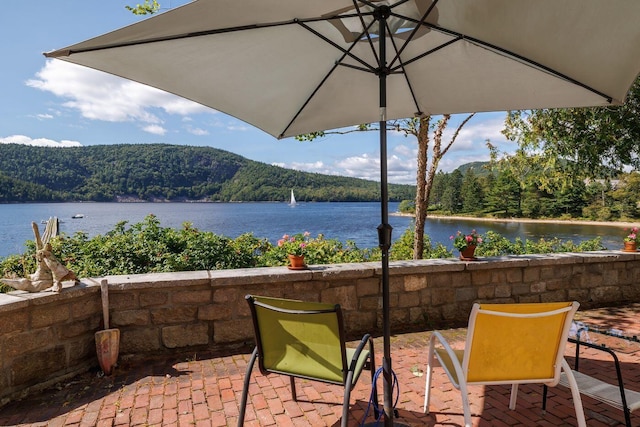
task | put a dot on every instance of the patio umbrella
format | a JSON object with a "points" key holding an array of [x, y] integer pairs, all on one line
{"points": [[291, 67]]}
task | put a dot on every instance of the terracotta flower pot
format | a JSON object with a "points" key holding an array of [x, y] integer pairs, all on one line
{"points": [[467, 254], [296, 262], [630, 247]]}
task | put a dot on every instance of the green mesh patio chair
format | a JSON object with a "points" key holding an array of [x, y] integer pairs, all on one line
{"points": [[305, 340]]}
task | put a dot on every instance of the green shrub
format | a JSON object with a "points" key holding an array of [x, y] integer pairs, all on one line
{"points": [[146, 247]]}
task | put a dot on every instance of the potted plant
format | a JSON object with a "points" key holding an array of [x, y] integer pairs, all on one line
{"points": [[467, 244], [296, 247], [631, 241]]}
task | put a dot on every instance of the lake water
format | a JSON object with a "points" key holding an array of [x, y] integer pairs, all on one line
{"points": [[343, 221]]}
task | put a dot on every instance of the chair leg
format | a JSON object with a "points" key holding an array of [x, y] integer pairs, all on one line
{"points": [[427, 385], [294, 395], [466, 407], [514, 396], [245, 388], [575, 394], [346, 399]]}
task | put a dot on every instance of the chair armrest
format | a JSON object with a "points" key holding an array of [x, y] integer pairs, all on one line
{"points": [[451, 355], [356, 355]]}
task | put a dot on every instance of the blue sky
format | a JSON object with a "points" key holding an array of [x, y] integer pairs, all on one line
{"points": [[50, 102]]}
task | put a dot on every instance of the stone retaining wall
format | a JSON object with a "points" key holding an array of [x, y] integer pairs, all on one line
{"points": [[47, 337]]}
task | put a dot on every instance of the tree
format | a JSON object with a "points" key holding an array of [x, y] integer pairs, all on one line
{"points": [[585, 142], [419, 127], [471, 192], [149, 7], [452, 197]]}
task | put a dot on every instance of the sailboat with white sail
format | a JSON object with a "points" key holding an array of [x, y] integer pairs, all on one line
{"points": [[293, 199]]}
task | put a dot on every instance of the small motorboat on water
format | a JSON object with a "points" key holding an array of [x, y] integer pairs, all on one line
{"points": [[78, 216]]}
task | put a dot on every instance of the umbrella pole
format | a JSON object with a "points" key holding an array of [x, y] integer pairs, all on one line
{"points": [[384, 229]]}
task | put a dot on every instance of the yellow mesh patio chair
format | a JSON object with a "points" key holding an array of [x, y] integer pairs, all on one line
{"points": [[508, 344], [305, 340]]}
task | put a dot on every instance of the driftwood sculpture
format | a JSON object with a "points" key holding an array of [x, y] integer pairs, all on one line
{"points": [[50, 272]]}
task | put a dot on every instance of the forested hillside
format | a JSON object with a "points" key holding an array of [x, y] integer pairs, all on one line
{"points": [[161, 172]]}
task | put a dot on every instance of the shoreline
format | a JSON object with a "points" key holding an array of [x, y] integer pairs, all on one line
{"points": [[624, 224]]}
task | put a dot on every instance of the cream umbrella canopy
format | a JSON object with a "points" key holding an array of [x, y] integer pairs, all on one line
{"points": [[291, 67]]}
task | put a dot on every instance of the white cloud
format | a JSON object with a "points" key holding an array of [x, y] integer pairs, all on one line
{"points": [[44, 116], [100, 96], [237, 127], [155, 129], [38, 142], [197, 131]]}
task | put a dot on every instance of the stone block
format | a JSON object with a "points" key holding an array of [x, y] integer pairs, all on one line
{"points": [[370, 303], [396, 284], [164, 316], [345, 295], [415, 283], [531, 274], [466, 294], [151, 298], [548, 272], [408, 299], [16, 321], [130, 318], [366, 287], [215, 312], [577, 295], [503, 291], [521, 289], [631, 292], [443, 296], [553, 296], [75, 329], [486, 292], [606, 294], [514, 275], [86, 307], [38, 366], [140, 340], [82, 349], [425, 297], [498, 277], [538, 287], [399, 316], [231, 331], [361, 322], [27, 342], [227, 294], [123, 300], [439, 280], [481, 277], [611, 277], [462, 278], [185, 335], [49, 315], [191, 297]]}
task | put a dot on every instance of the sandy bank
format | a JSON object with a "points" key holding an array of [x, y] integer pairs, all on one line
{"points": [[619, 224]]}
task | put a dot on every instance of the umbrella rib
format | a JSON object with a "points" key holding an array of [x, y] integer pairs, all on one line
{"points": [[324, 79], [366, 31], [413, 32], [459, 36], [429, 52], [346, 52], [68, 52], [406, 77]]}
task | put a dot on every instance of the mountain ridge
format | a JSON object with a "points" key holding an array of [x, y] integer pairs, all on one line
{"points": [[163, 172]]}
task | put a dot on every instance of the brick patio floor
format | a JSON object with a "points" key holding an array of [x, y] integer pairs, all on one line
{"points": [[204, 390]]}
